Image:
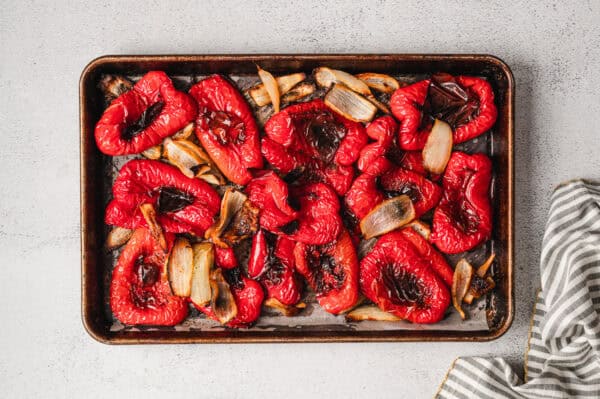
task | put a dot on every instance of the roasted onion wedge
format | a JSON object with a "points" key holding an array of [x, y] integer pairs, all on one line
{"points": [[370, 312], [118, 237], [112, 86], [326, 77], [184, 154], [380, 82], [222, 300], [238, 219], [149, 214], [210, 178], [180, 267], [298, 92], [184, 133], [387, 216], [483, 269], [421, 227], [463, 274], [271, 87], [481, 285], [286, 310], [284, 83], [153, 152], [438, 147], [204, 260], [350, 104]]}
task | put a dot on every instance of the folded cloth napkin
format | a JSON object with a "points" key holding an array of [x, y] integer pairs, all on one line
{"points": [[563, 359]]}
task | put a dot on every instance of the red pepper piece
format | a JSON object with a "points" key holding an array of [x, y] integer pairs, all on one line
{"points": [[226, 128], [331, 271], [272, 263], [312, 141], [399, 280], [413, 160], [225, 258], [427, 251], [144, 116], [383, 131], [183, 205], [248, 295], [465, 102], [363, 196], [319, 221], [463, 219], [270, 195], [423, 193], [139, 290]]}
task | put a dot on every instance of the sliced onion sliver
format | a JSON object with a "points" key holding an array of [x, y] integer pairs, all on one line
{"points": [[380, 82], [271, 87], [149, 214], [286, 310], [204, 260], [232, 203], [185, 155], [387, 216], [222, 301], [350, 104], [460, 284], [118, 237], [300, 91], [284, 83], [438, 147], [326, 77], [370, 312], [180, 266], [422, 228]]}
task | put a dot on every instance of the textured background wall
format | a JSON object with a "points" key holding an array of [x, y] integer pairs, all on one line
{"points": [[551, 47]]}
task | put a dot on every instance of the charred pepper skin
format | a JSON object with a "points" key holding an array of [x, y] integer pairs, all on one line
{"points": [[396, 277], [312, 139], [408, 105], [142, 117], [141, 181], [334, 281], [436, 260], [227, 129], [139, 291], [272, 263], [463, 219]]}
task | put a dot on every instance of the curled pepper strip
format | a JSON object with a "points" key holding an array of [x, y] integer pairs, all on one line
{"points": [[382, 130], [272, 264], [142, 117], [406, 104], [400, 280], [226, 128], [486, 117], [183, 204], [331, 271], [463, 219], [139, 290], [364, 195]]}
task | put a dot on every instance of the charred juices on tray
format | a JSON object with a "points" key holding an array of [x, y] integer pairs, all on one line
{"points": [[337, 194]]}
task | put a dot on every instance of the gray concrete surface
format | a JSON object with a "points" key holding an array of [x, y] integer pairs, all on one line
{"points": [[551, 46]]}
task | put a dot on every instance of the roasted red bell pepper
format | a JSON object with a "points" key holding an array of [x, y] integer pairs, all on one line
{"points": [[364, 195], [272, 264], [311, 141], [400, 280], [139, 290], [331, 271], [428, 252], [269, 193], [248, 295], [225, 258], [465, 102], [383, 131], [423, 193], [144, 116], [413, 160], [463, 219], [226, 128], [183, 205]]}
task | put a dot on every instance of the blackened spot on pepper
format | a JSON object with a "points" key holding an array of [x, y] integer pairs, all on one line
{"points": [[171, 199], [290, 228], [294, 203], [234, 277], [404, 288], [404, 188], [196, 168], [449, 101], [294, 175], [143, 121], [146, 273], [326, 273], [322, 131]]}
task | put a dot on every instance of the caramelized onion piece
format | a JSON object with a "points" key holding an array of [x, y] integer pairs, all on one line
{"points": [[300, 91], [285, 310], [387, 216], [180, 267], [213, 179], [481, 285], [238, 219], [271, 87], [482, 270], [118, 237], [204, 260], [222, 301], [326, 77], [184, 133], [349, 104], [184, 154], [422, 228], [463, 274], [153, 152], [438, 147], [112, 86], [284, 83], [370, 312], [149, 214], [380, 82]]}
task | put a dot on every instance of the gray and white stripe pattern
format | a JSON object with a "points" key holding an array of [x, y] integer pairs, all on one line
{"points": [[563, 360]]}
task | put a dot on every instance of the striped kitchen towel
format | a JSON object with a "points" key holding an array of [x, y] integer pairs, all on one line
{"points": [[563, 359]]}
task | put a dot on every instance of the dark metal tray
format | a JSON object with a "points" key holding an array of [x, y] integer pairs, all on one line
{"points": [[95, 176]]}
